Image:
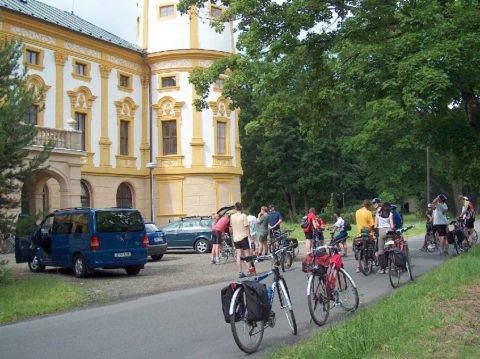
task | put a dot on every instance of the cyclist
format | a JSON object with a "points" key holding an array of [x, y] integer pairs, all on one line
{"points": [[467, 216], [274, 220], [428, 224], [219, 226], [342, 235], [364, 221], [241, 236], [384, 223], [262, 220], [312, 225], [397, 217], [319, 225], [440, 221]]}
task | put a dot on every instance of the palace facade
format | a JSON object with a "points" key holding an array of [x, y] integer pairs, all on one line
{"points": [[121, 115]]}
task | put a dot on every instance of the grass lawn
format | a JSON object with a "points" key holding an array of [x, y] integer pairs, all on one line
{"points": [[437, 316], [36, 295]]}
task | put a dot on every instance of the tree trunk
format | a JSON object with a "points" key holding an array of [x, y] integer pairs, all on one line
{"points": [[457, 189], [472, 109], [289, 204], [305, 203]]}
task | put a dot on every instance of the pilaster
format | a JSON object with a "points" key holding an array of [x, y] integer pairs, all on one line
{"points": [[197, 142], [105, 142], [60, 59], [145, 147]]}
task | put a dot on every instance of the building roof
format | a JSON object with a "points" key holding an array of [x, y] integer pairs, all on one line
{"points": [[67, 20]]}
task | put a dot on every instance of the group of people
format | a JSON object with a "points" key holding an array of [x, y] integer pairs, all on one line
{"points": [[437, 221], [244, 228]]}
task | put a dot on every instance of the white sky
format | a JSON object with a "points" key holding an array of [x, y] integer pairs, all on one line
{"points": [[116, 16]]}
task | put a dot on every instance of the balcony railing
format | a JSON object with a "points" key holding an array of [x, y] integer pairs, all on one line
{"points": [[61, 139]]}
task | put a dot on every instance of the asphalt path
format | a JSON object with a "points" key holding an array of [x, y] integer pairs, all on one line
{"points": [[181, 324]]}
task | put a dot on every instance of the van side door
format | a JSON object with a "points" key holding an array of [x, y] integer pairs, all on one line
{"points": [[81, 233], [61, 231]]}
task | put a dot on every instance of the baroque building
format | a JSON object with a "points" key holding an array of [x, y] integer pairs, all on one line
{"points": [[121, 115]]}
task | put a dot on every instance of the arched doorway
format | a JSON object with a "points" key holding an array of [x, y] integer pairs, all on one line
{"points": [[124, 196]]}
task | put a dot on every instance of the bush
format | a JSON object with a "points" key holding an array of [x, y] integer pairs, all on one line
{"points": [[5, 275]]}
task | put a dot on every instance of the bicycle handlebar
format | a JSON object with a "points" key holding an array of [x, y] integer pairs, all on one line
{"points": [[270, 256]]}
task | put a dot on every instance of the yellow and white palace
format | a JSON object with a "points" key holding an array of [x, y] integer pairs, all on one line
{"points": [[98, 90]]}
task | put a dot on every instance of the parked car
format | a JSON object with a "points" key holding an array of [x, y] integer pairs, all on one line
{"points": [[190, 233], [157, 243], [85, 239]]}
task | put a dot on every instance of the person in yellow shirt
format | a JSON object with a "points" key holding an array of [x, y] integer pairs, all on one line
{"points": [[364, 218]]}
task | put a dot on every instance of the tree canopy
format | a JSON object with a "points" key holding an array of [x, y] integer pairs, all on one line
{"points": [[375, 82]]}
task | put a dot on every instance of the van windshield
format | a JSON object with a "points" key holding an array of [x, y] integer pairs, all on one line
{"points": [[119, 221]]}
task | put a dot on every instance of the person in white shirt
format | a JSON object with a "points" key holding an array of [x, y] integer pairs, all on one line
{"points": [[384, 223], [342, 235], [440, 221], [252, 224]]}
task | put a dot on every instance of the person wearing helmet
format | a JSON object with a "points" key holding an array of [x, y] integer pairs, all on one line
{"points": [[467, 216], [440, 221], [397, 217], [428, 225]]}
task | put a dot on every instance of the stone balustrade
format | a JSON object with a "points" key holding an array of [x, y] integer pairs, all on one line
{"points": [[61, 139]]}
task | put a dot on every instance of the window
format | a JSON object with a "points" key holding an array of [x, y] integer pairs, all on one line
{"points": [[169, 81], [80, 223], [124, 138], [221, 138], [81, 69], [80, 126], [167, 11], [124, 81], [32, 115], [33, 57], [215, 12], [124, 196], [169, 136], [84, 195], [219, 83], [119, 221], [45, 199]]}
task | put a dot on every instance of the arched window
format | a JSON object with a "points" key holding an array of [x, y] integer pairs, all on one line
{"points": [[124, 196], [84, 194], [45, 199]]}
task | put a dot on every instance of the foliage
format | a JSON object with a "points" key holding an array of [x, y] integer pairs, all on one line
{"points": [[15, 135]]}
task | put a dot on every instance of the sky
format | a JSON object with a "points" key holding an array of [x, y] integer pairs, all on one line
{"points": [[116, 16]]}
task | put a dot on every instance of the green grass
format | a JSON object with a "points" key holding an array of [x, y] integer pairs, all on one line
{"points": [[30, 296], [435, 316], [409, 219]]}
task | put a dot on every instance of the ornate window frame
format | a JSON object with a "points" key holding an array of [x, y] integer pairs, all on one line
{"points": [[128, 88], [78, 76], [221, 113], [126, 112], [169, 109], [81, 100], [172, 88], [39, 66], [162, 18], [38, 83]]}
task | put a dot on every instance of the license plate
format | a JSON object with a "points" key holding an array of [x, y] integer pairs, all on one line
{"points": [[158, 239], [122, 254]]}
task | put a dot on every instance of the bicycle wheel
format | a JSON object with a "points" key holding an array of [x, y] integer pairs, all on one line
{"points": [[430, 243], [247, 334], [288, 260], [474, 237], [366, 265], [223, 257], [346, 290], [409, 270], [286, 305], [394, 273], [318, 302]]}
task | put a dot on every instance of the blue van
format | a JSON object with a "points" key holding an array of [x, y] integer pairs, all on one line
{"points": [[85, 239]]}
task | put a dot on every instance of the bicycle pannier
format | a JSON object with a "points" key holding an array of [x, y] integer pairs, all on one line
{"points": [[451, 237], [400, 258], [258, 304], [307, 263], [226, 295], [382, 261], [460, 236], [347, 226]]}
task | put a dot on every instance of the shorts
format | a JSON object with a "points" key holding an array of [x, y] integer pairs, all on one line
{"points": [[342, 235], [263, 237], [217, 237], [242, 244], [309, 235], [469, 223], [441, 229]]}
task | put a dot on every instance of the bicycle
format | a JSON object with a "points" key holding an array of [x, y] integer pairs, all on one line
{"points": [[228, 250], [280, 240], [329, 283], [395, 248], [248, 334], [457, 237], [431, 243], [366, 248]]}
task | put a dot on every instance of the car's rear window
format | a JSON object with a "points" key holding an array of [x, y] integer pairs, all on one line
{"points": [[150, 227], [119, 221]]}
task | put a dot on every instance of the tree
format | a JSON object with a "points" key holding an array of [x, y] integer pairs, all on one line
{"points": [[15, 135]]}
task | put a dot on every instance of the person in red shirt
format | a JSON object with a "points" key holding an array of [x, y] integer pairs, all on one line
{"points": [[220, 224], [312, 225]]}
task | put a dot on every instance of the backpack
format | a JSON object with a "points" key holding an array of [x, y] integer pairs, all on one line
{"points": [[304, 223], [346, 225], [258, 303]]}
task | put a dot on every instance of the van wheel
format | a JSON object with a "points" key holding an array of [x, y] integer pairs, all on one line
{"points": [[157, 257], [202, 246], [35, 266], [79, 266], [133, 270]]}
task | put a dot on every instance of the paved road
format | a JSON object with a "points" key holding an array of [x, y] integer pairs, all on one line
{"points": [[181, 324]]}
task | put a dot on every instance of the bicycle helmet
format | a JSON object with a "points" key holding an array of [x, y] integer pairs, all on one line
{"points": [[376, 200], [429, 205], [393, 206]]}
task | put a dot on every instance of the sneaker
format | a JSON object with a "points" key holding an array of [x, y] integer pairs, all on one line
{"points": [[358, 270], [381, 271], [213, 260], [241, 275]]}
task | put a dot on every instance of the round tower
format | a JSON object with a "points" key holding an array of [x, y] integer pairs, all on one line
{"points": [[197, 153]]}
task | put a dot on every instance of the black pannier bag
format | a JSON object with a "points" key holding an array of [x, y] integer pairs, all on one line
{"points": [[258, 304], [460, 236], [400, 258], [451, 237], [226, 295]]}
